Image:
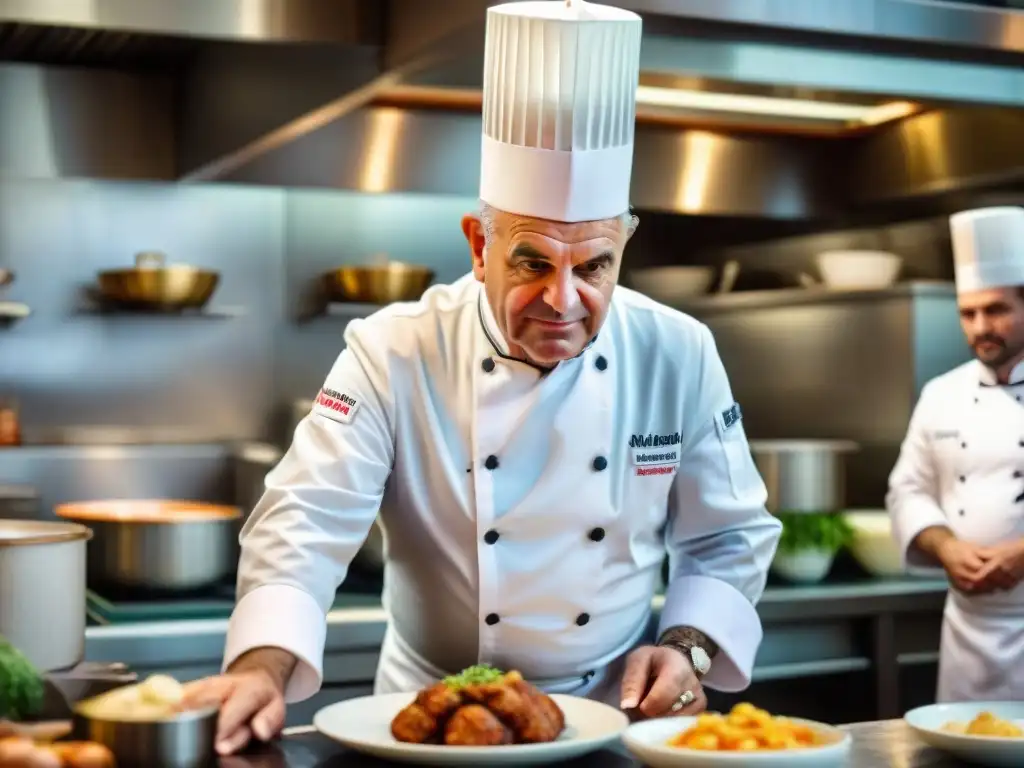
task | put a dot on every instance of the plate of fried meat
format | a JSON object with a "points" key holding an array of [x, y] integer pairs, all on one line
{"points": [[482, 716]]}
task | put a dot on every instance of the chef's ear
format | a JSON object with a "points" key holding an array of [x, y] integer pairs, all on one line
{"points": [[476, 236]]}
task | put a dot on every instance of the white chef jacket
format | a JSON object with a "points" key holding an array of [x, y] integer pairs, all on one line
{"points": [[960, 466], [525, 514]]}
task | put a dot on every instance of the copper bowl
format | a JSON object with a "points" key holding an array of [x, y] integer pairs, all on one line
{"points": [[151, 284], [394, 281]]}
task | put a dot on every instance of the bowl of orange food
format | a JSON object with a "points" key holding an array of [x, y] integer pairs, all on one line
{"points": [[746, 737], [982, 733]]}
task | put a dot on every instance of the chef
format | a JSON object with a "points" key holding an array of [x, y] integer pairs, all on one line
{"points": [[956, 495], [533, 437]]}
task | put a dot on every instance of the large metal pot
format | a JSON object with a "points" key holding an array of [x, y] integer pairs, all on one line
{"points": [[393, 281], [157, 545], [42, 590], [803, 475], [155, 285]]}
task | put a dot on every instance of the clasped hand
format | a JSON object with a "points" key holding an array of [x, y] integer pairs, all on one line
{"points": [[974, 569]]}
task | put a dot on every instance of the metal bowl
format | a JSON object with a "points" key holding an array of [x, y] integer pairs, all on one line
{"points": [[183, 741], [151, 284], [394, 281]]}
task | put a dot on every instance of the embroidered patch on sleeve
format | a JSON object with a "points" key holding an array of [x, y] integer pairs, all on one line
{"points": [[728, 418], [336, 406]]}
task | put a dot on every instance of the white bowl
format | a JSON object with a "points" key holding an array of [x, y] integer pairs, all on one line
{"points": [[850, 270], [927, 722], [669, 284], [648, 741], [873, 545], [805, 566]]}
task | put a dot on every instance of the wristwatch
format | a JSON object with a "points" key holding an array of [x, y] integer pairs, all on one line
{"points": [[699, 658]]}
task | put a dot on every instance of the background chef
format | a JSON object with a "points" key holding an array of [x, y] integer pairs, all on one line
{"points": [[533, 436], [957, 492]]}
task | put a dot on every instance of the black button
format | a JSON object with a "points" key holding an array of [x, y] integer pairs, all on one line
{"points": [[469, 469], [961, 513], [1016, 475], [492, 619], [1018, 398], [588, 676], [975, 401], [582, 619], [600, 463], [487, 365], [1020, 443], [491, 462], [491, 537], [600, 363], [964, 445], [963, 479], [597, 534]]}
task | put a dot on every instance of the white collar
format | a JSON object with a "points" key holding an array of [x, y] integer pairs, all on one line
{"points": [[987, 377]]}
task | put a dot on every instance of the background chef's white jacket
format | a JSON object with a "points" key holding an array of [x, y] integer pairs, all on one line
{"points": [[525, 516], [961, 465]]}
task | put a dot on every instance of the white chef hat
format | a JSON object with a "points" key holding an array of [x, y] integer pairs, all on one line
{"points": [[559, 106], [988, 248]]}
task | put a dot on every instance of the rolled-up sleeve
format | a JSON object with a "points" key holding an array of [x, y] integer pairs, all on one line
{"points": [[720, 538], [913, 494], [317, 510]]}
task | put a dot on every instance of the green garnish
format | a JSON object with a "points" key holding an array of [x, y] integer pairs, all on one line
{"points": [[480, 674], [802, 531], [21, 685]]}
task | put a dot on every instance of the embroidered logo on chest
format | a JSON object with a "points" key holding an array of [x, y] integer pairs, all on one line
{"points": [[655, 454], [336, 405]]}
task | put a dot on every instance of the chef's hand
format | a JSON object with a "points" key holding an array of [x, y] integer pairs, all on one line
{"points": [[655, 677], [250, 696], [1005, 567], [965, 565]]}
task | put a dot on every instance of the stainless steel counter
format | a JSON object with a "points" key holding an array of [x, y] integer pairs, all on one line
{"points": [[883, 744], [872, 627]]}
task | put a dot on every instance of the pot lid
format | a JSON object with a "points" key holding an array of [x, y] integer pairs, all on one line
{"points": [[149, 511], [15, 533], [785, 446]]}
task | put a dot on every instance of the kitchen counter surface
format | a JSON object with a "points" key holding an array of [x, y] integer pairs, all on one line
{"points": [[883, 744]]}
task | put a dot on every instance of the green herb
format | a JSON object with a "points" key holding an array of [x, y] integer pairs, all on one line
{"points": [[21, 685], [481, 674], [802, 531]]}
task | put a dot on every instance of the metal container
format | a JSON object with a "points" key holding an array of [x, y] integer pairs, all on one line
{"points": [[803, 475], [184, 741], [155, 285], [393, 281], [157, 545], [42, 590]]}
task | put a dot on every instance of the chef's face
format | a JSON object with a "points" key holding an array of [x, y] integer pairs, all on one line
{"points": [[549, 283], [993, 321]]}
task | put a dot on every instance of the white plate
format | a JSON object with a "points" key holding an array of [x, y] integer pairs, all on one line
{"points": [[648, 741], [364, 725], [993, 751]]}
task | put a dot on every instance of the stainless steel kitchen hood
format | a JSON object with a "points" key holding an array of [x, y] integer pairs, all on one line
{"points": [[331, 94]]}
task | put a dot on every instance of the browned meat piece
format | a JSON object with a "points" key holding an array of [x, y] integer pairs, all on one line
{"points": [[552, 712], [439, 701], [473, 725], [517, 709], [414, 725]]}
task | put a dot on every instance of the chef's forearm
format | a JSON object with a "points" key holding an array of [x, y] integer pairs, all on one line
{"points": [[275, 662], [688, 637], [930, 540]]}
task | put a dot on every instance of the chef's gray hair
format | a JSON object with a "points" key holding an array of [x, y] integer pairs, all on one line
{"points": [[629, 220]]}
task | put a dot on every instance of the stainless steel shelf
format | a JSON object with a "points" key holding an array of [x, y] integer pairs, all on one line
{"points": [[791, 297], [210, 313]]}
